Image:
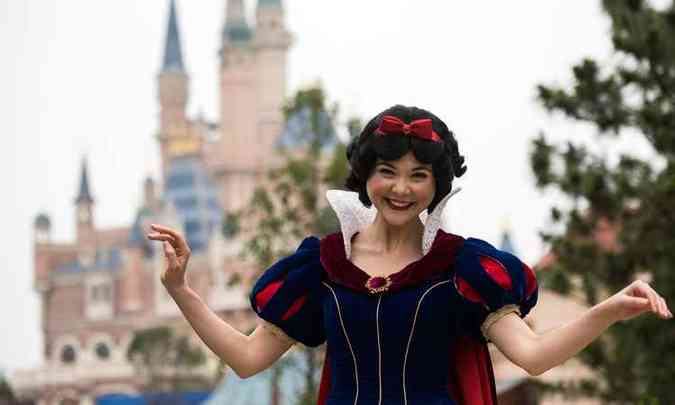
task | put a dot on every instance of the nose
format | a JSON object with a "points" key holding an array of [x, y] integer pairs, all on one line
{"points": [[400, 187]]}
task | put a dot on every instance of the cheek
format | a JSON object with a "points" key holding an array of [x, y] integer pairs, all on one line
{"points": [[427, 190], [376, 185]]}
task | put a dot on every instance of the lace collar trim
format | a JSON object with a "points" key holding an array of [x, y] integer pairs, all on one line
{"points": [[354, 216]]}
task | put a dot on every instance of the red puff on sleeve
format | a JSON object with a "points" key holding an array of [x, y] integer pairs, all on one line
{"points": [[493, 283], [288, 294]]}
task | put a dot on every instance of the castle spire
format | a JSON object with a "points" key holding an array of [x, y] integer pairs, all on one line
{"points": [[84, 195], [236, 29], [173, 54], [84, 209]]}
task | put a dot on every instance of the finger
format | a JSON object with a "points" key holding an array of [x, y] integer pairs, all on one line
{"points": [[160, 237], [667, 309], [657, 301], [179, 241], [654, 300], [659, 305], [650, 294], [664, 308], [170, 253], [638, 303], [164, 230]]}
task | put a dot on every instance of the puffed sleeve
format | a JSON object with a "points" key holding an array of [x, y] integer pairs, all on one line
{"points": [[288, 295], [492, 283]]}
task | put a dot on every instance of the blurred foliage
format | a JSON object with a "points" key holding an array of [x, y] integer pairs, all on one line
{"points": [[291, 205], [167, 362], [633, 95], [6, 394], [230, 226]]}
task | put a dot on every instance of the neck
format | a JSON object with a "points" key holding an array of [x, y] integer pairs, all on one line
{"points": [[386, 238]]}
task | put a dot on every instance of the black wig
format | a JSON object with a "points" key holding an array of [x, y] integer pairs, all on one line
{"points": [[364, 150]]}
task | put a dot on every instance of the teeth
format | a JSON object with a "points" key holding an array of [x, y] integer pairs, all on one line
{"points": [[399, 204]]}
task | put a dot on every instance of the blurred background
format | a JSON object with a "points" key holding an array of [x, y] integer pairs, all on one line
{"points": [[123, 113]]}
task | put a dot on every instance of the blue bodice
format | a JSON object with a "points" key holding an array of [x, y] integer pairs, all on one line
{"points": [[389, 348]]}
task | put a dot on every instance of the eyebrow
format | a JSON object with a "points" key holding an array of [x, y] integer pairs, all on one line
{"points": [[414, 168]]}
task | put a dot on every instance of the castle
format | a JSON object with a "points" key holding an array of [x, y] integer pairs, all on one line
{"points": [[100, 288]]}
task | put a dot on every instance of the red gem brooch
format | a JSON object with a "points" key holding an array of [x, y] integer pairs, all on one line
{"points": [[378, 284]]}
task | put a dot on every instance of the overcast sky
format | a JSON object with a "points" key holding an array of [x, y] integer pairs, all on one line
{"points": [[79, 78]]}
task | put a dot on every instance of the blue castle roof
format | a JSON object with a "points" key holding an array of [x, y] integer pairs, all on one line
{"points": [[137, 234], [84, 194], [173, 53], [236, 30], [183, 398], [106, 260], [193, 194]]}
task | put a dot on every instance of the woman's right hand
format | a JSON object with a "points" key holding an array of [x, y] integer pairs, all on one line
{"points": [[177, 253], [246, 354]]}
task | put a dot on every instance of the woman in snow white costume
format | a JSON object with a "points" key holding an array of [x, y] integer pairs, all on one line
{"points": [[406, 309]]}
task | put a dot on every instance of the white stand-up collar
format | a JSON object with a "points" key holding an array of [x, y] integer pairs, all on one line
{"points": [[354, 217]]}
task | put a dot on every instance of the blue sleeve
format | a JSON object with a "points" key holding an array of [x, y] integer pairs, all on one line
{"points": [[492, 283], [289, 294]]}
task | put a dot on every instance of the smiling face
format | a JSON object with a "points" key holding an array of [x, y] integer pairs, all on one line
{"points": [[401, 189]]}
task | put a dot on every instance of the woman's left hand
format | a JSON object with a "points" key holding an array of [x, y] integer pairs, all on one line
{"points": [[637, 298]]}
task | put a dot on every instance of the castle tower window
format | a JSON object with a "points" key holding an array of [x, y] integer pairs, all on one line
{"points": [[99, 297], [101, 293], [68, 354], [106, 293], [102, 351]]}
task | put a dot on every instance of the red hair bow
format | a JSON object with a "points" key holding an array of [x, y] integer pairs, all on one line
{"points": [[419, 128]]}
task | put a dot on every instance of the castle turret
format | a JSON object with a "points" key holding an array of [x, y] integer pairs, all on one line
{"points": [[132, 287], [84, 207], [237, 91], [41, 238], [85, 227], [173, 53], [272, 40], [236, 30], [173, 89], [150, 199], [252, 91], [42, 229]]}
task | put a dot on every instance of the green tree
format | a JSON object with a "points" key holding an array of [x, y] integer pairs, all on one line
{"points": [[6, 394], [632, 96], [167, 362], [291, 206]]}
